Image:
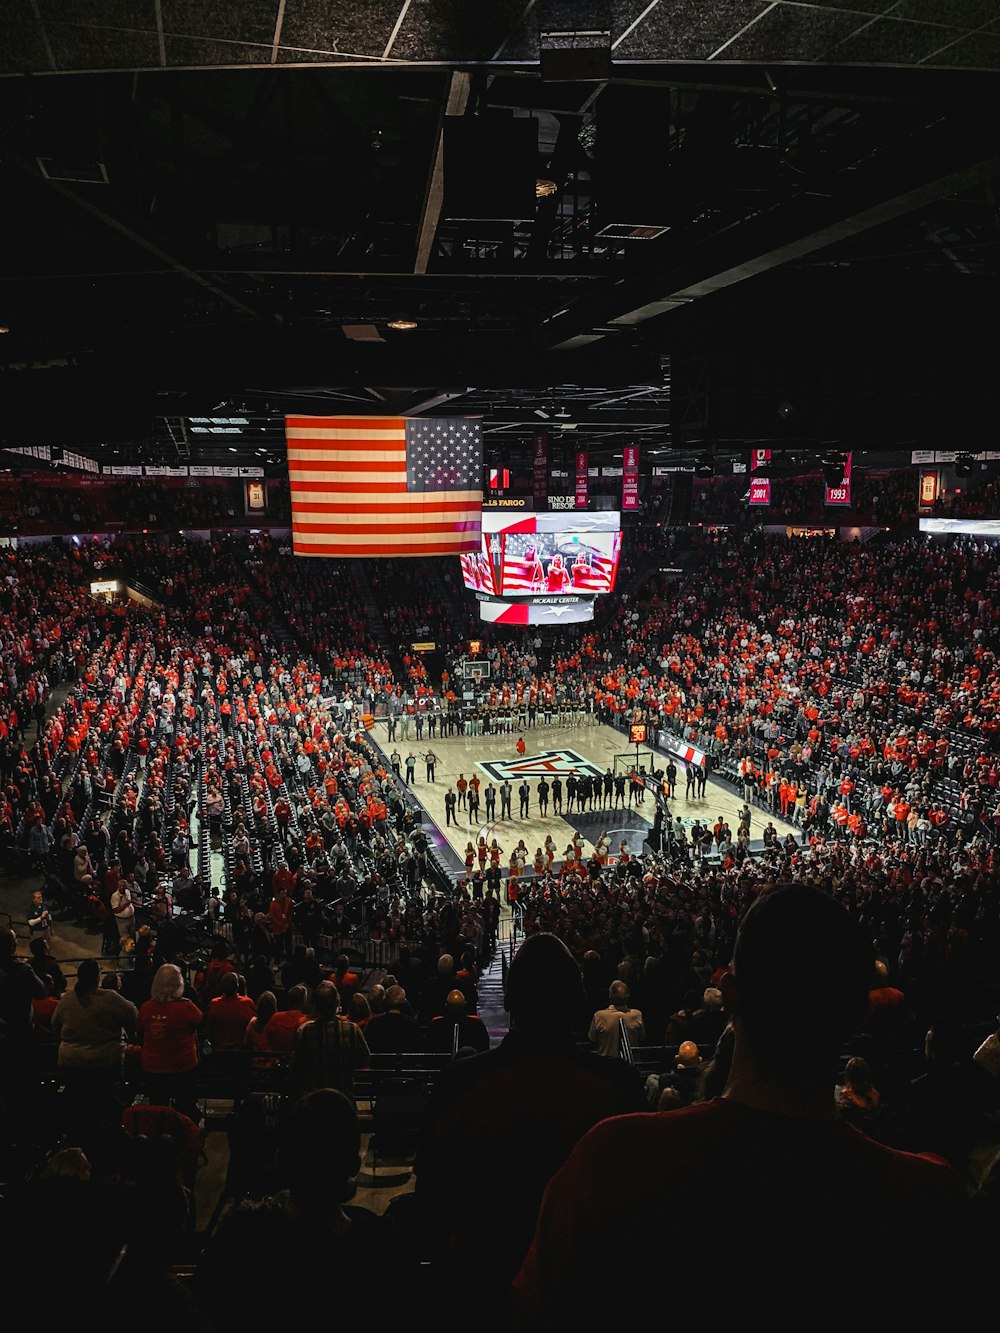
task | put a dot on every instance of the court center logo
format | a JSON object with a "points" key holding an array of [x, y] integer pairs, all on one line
{"points": [[549, 764]]}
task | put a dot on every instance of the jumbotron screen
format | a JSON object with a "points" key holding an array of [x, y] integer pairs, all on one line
{"points": [[527, 555]]}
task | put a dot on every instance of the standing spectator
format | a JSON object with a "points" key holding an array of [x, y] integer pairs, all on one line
{"points": [[19, 985], [168, 1023], [605, 1026], [772, 1147], [123, 911], [281, 913], [92, 1024], [329, 1049], [228, 1016], [39, 916]]}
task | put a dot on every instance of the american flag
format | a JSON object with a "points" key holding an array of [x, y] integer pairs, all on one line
{"points": [[585, 570], [368, 486]]}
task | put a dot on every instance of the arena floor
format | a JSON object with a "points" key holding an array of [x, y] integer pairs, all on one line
{"points": [[553, 749]]}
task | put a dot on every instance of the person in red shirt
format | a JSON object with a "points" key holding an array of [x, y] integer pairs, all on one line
{"points": [[167, 1023], [227, 1017], [280, 914], [279, 1035]]}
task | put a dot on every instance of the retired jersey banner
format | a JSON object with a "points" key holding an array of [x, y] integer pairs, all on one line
{"points": [[540, 469], [760, 487], [840, 495], [630, 477], [581, 479]]}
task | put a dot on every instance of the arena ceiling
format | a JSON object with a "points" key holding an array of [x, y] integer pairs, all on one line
{"points": [[767, 221]]}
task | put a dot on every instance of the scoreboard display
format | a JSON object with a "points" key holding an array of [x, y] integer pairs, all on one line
{"points": [[523, 556]]}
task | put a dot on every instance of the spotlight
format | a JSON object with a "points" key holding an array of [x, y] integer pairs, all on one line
{"points": [[704, 466], [563, 414], [402, 323]]}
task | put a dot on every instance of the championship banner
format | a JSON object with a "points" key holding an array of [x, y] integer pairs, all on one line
{"points": [[760, 487], [581, 479], [540, 469], [840, 495], [630, 477]]}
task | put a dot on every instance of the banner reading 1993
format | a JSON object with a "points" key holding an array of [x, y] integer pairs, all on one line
{"points": [[840, 495]]}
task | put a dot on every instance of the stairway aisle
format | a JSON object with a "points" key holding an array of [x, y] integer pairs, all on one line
{"points": [[490, 991]]}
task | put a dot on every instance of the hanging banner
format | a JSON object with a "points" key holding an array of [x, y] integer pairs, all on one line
{"points": [[928, 489], [840, 495], [581, 479], [760, 487], [540, 469], [254, 497], [630, 477]]}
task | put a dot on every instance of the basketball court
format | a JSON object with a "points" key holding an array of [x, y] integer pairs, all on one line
{"points": [[553, 751]]}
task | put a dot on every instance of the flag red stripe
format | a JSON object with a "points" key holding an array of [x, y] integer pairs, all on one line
{"points": [[332, 466], [346, 423], [351, 487], [414, 502], [376, 529], [371, 548]]}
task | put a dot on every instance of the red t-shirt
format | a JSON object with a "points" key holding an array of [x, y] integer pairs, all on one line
{"points": [[168, 1030], [226, 1021], [279, 1035]]}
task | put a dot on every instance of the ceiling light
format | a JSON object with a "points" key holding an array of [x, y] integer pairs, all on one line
{"points": [[544, 188], [402, 323], [704, 466], [563, 414], [4, 328]]}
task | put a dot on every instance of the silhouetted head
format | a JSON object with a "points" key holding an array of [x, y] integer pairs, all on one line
{"points": [[798, 931], [544, 987]]}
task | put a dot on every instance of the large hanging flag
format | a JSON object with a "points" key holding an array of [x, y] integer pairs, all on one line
{"points": [[370, 486]]}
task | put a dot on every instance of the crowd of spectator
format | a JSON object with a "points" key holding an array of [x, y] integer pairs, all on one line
{"points": [[230, 714]]}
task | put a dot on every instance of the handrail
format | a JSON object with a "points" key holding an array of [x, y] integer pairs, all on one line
{"points": [[625, 1043]]}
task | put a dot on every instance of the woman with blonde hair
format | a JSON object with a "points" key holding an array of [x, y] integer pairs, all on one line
{"points": [[168, 1024]]}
